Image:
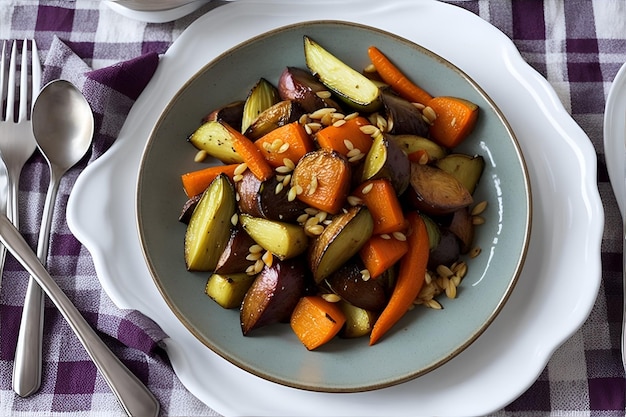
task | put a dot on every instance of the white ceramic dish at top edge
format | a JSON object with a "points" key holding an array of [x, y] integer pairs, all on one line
{"points": [[615, 136], [156, 16], [567, 222]]}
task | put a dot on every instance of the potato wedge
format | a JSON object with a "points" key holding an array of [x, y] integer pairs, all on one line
{"points": [[340, 241], [359, 322], [228, 290], [284, 240], [209, 226], [436, 192], [213, 138], [466, 168]]}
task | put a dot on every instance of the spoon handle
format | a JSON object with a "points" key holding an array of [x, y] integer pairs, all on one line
{"points": [[134, 397], [28, 352]]}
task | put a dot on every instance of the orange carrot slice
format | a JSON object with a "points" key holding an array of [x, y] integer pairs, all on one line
{"points": [[410, 278], [382, 201], [250, 154], [346, 137], [288, 141], [456, 118], [195, 182], [396, 78], [316, 321], [379, 254]]}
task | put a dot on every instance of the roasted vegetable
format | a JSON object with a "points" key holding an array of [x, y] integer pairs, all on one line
{"points": [[456, 118], [300, 86], [359, 322], [446, 252], [231, 114], [339, 241], [381, 253], [322, 178], [348, 283], [386, 159], [465, 168], [188, 208], [436, 192], [462, 226], [290, 141], [195, 182], [234, 257], [404, 117], [284, 240], [316, 321], [273, 295], [209, 227], [412, 145], [228, 290], [262, 96], [213, 138], [349, 85], [277, 115]]}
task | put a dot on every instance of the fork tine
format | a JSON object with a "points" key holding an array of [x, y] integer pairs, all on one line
{"points": [[23, 83], [11, 83], [36, 72], [3, 92]]}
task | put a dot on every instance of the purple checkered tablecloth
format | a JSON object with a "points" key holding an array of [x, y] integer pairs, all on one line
{"points": [[577, 45]]}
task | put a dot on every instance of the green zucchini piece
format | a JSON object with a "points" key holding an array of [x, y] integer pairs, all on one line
{"points": [[208, 231], [349, 85]]}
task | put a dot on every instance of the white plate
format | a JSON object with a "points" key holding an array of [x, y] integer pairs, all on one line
{"points": [[555, 292], [615, 137]]}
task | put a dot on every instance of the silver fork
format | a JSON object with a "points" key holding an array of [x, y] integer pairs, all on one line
{"points": [[17, 144]]}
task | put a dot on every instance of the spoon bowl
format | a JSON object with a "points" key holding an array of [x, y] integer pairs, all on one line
{"points": [[63, 128]]}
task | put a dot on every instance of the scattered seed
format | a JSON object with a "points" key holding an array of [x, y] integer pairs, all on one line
{"points": [[319, 113], [351, 116], [323, 94], [303, 120], [234, 219], [283, 169], [353, 152], [434, 304], [349, 144], [302, 218], [240, 169], [311, 221], [331, 297], [291, 195], [279, 188], [283, 148], [200, 156], [255, 249], [475, 252], [478, 220], [327, 119], [369, 129], [460, 269], [354, 200], [456, 280], [370, 69], [258, 265], [479, 208], [289, 163], [268, 258], [444, 271], [367, 188], [356, 157], [430, 114], [428, 278], [419, 106], [253, 256], [385, 236], [237, 178], [250, 270], [321, 216], [453, 122], [399, 236], [315, 230], [311, 211], [424, 158], [286, 180], [299, 189], [365, 274]]}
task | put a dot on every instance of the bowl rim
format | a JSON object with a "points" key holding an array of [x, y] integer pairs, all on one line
{"points": [[421, 49]]}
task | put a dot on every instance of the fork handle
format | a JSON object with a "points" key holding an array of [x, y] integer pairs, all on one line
{"points": [[133, 395]]}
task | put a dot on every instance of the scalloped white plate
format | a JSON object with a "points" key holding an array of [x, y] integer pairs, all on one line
{"points": [[553, 296], [615, 137]]}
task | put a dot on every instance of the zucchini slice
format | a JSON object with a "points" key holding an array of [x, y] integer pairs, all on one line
{"points": [[348, 84], [208, 231]]}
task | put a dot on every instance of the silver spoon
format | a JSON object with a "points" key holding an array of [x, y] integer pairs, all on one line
{"points": [[63, 127]]}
